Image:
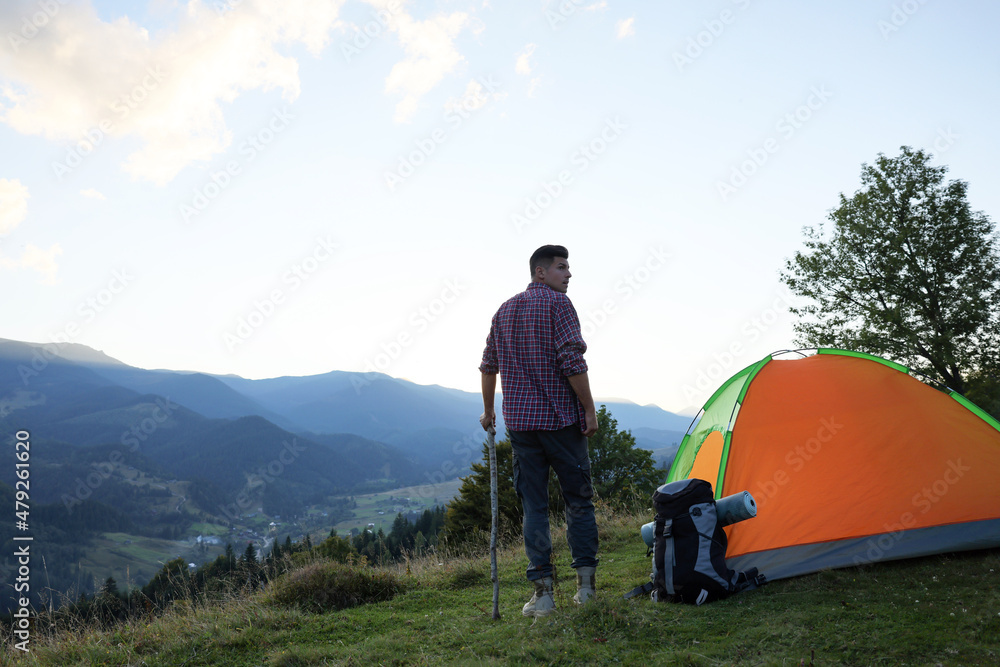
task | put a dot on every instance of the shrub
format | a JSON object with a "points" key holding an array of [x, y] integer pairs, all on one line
{"points": [[469, 575], [327, 586]]}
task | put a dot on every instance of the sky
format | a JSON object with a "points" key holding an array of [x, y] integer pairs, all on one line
{"points": [[268, 188]]}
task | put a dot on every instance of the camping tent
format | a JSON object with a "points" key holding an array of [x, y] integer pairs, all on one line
{"points": [[850, 459]]}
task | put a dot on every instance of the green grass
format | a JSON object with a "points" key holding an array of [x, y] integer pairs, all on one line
{"points": [[370, 504], [143, 549], [138, 561], [208, 529], [935, 610]]}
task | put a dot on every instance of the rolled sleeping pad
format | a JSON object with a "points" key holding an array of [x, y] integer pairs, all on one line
{"points": [[647, 533], [735, 508], [731, 509]]}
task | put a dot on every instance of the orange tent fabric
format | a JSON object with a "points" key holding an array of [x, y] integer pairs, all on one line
{"points": [[850, 460]]}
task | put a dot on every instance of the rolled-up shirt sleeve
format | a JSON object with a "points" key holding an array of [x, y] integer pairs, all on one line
{"points": [[568, 339], [489, 364]]}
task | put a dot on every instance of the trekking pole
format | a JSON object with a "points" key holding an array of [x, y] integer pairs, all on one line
{"points": [[491, 444]]}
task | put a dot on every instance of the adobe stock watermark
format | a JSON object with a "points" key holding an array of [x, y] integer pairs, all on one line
{"points": [[34, 22], [264, 308], [944, 140], [121, 107], [259, 479], [226, 6], [900, 16], [564, 9], [221, 178], [704, 39], [477, 94], [923, 502], [625, 288], [139, 432], [550, 190], [723, 363], [796, 459], [89, 309], [786, 127], [380, 22], [418, 322]]}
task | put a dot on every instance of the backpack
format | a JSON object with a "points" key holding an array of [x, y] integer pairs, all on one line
{"points": [[689, 548]]}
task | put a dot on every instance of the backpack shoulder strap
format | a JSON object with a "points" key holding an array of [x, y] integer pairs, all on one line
{"points": [[639, 590], [668, 555]]}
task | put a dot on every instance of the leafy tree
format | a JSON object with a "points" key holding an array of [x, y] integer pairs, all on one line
{"points": [[230, 557], [110, 587], [404, 536], [909, 271], [984, 391], [419, 543], [170, 583], [337, 548], [249, 567], [249, 557], [430, 523], [373, 547], [108, 605], [621, 472]]}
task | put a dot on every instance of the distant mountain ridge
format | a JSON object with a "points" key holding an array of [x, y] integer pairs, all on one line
{"points": [[428, 422], [82, 405], [166, 455]]}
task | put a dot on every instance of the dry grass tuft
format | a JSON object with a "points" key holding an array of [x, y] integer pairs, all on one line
{"points": [[327, 585]]}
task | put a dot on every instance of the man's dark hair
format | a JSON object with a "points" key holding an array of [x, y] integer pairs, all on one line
{"points": [[545, 255]]}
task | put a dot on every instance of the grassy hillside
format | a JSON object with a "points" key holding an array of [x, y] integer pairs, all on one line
{"points": [[381, 508], [936, 610], [135, 559]]}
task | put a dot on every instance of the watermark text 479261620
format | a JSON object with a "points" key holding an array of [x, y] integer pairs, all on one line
{"points": [[21, 623]]}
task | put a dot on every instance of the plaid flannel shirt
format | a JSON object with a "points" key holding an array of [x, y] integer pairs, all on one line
{"points": [[535, 344]]}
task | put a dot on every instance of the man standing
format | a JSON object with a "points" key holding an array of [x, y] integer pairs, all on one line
{"points": [[536, 346]]}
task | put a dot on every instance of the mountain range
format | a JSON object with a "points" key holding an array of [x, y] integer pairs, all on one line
{"points": [[119, 453], [332, 433]]}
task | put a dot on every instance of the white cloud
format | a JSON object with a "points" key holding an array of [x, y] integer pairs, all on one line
{"points": [[13, 204], [93, 194], [36, 259], [533, 86], [474, 98], [597, 6], [13, 209], [430, 55], [80, 75], [523, 65], [626, 27]]}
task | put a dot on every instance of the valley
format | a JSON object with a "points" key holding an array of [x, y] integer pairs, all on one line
{"points": [[132, 468]]}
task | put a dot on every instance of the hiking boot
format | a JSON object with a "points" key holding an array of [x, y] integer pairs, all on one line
{"points": [[542, 603], [586, 587]]}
